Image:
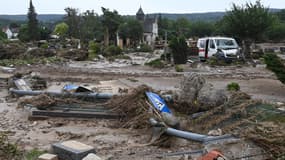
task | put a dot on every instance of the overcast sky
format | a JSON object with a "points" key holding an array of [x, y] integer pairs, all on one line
{"points": [[128, 7]]}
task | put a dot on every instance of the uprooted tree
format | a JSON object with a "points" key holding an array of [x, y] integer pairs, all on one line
{"points": [[247, 22]]}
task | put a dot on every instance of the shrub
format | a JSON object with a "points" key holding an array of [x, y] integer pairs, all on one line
{"points": [[179, 68], [157, 63], [112, 51], [144, 48], [179, 50], [233, 86], [94, 49], [275, 64], [44, 46]]}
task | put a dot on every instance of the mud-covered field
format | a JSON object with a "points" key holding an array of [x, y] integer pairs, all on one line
{"points": [[130, 138]]}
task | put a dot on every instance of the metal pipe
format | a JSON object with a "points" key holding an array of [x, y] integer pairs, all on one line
{"points": [[62, 94], [188, 135]]}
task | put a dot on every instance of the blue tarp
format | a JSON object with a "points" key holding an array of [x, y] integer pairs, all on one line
{"points": [[158, 102]]}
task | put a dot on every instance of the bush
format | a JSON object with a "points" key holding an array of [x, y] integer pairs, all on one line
{"points": [[275, 64], [179, 50], [144, 48], [44, 46], [112, 51], [179, 68], [233, 86], [94, 49], [157, 63]]}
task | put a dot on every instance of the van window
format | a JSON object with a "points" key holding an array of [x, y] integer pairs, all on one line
{"points": [[226, 43], [212, 45], [202, 44]]}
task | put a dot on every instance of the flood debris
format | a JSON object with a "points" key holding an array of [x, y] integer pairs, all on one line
{"points": [[134, 108], [92, 95]]}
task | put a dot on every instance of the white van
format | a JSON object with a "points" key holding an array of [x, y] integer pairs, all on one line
{"points": [[224, 47]]}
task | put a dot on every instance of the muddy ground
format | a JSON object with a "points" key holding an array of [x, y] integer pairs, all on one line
{"points": [[110, 141]]}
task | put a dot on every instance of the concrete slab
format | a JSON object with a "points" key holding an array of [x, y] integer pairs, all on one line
{"points": [[72, 150], [48, 156]]}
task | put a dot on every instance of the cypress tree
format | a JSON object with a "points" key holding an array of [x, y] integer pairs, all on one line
{"points": [[33, 30]]}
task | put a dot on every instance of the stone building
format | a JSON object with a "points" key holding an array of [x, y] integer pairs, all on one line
{"points": [[150, 27]]}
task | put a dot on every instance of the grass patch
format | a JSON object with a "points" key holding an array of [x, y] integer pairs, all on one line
{"points": [[233, 86], [33, 154], [8, 150], [17, 62], [179, 68], [157, 63]]}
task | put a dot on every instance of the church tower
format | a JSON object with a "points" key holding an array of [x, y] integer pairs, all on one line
{"points": [[140, 15]]}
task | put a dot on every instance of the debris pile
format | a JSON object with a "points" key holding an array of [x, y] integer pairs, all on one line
{"points": [[135, 108], [74, 54], [11, 50], [197, 95], [247, 119]]}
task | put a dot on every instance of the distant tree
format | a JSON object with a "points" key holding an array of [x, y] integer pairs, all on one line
{"points": [[202, 29], [111, 21], [44, 33], [14, 25], [179, 50], [247, 23], [3, 36], [281, 15], [276, 32], [72, 19], [33, 29], [61, 30], [132, 29], [91, 27], [182, 27], [166, 26], [23, 33]]}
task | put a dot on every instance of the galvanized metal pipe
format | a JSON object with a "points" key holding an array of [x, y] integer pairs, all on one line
{"points": [[189, 135], [62, 94]]}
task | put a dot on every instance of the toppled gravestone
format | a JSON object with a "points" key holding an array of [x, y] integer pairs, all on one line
{"points": [[190, 86], [72, 150], [208, 97]]}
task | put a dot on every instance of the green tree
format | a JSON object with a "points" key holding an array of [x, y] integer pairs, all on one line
{"points": [[72, 19], [166, 28], [33, 29], [132, 29], [182, 27], [281, 15], [111, 21], [202, 29], [23, 33], [61, 30], [3, 36], [276, 32], [91, 27], [179, 50], [247, 23], [44, 32]]}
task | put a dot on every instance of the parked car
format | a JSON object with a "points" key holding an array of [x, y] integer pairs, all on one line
{"points": [[222, 47]]}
